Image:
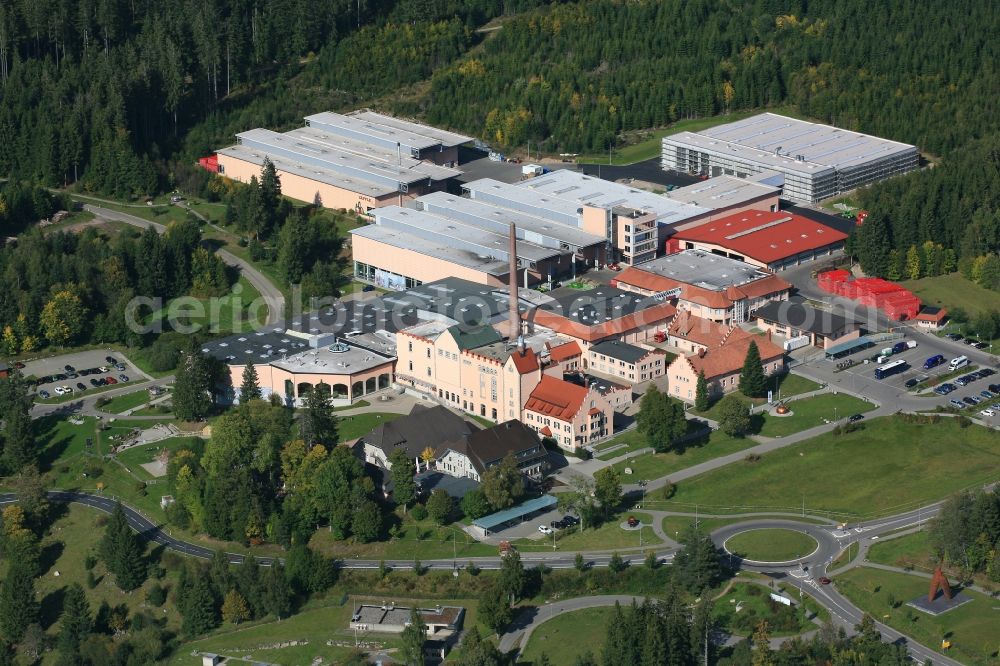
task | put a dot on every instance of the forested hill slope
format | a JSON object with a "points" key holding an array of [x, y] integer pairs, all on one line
{"points": [[575, 74]]}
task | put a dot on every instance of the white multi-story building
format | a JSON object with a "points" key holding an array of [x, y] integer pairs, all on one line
{"points": [[817, 161]]}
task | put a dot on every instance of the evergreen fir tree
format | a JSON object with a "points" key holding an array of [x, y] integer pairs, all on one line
{"points": [[318, 423], [122, 551], [404, 488], [701, 393], [198, 610], [18, 607], [75, 622], [277, 595], [753, 383], [250, 388], [414, 636], [190, 396]]}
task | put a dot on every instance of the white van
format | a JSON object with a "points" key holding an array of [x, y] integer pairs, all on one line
{"points": [[959, 362]]}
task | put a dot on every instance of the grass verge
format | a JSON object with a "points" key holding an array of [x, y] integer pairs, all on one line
{"points": [[568, 636], [771, 545]]}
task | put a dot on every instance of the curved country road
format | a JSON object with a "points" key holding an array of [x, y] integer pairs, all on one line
{"points": [[843, 612], [272, 296]]}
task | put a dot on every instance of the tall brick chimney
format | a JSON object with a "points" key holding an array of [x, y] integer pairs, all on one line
{"points": [[514, 319]]}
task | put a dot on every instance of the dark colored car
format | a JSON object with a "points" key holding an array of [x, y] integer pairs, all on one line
{"points": [[855, 417], [910, 383], [986, 394], [824, 580], [368, 287], [80, 386], [43, 394], [69, 368], [111, 359], [980, 345], [94, 382], [71, 375], [987, 372], [19, 365], [60, 377], [969, 400], [570, 520], [994, 387]]}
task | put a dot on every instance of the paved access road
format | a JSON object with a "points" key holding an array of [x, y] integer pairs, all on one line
{"points": [[272, 296], [802, 575]]}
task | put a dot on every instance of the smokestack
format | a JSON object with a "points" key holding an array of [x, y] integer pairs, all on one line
{"points": [[514, 318]]}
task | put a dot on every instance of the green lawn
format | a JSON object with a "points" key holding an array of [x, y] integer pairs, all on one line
{"points": [[126, 401], [755, 606], [786, 385], [421, 540], [353, 427], [674, 526], [649, 144], [972, 628], [810, 412], [609, 536], [568, 636], [656, 465], [632, 439], [912, 550], [137, 456], [953, 290], [771, 545], [72, 536], [888, 465]]}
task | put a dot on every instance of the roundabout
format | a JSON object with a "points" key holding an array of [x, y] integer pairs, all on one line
{"points": [[771, 545], [762, 545]]}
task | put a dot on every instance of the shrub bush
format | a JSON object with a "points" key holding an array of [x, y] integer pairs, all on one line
{"points": [[418, 512]]}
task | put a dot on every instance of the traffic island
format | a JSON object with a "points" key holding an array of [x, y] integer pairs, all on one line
{"points": [[940, 598]]}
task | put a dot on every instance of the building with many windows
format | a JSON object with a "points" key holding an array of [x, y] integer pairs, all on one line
{"points": [[817, 161], [721, 365], [627, 362]]}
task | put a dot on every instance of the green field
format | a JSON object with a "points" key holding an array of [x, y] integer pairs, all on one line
{"points": [[912, 550], [771, 545], [885, 467], [953, 290], [811, 412], [674, 526], [126, 401], [786, 385], [352, 427], [568, 636], [634, 440], [657, 465], [973, 629]]}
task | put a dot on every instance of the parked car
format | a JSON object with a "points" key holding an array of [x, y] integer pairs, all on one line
{"points": [[368, 287], [995, 405], [570, 520], [987, 412], [110, 380], [910, 383], [823, 580], [58, 390], [994, 387], [80, 386], [69, 368], [43, 394], [121, 367], [101, 381], [59, 378], [545, 529], [980, 345], [111, 359], [986, 394], [19, 365], [969, 400], [854, 418], [962, 381], [72, 375], [123, 378], [94, 382], [987, 372], [957, 403]]}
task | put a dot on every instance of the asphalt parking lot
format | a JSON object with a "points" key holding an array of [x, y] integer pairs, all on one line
{"points": [[79, 360], [529, 528]]}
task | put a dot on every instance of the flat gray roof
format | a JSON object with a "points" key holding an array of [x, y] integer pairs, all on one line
{"points": [[589, 190], [778, 141], [309, 152], [314, 135], [439, 249], [296, 352], [370, 131], [704, 269], [458, 234], [498, 218], [444, 137], [722, 192], [525, 200], [327, 176]]}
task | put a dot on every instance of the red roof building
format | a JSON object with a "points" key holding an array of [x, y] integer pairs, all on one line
{"points": [[773, 240], [571, 414]]}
